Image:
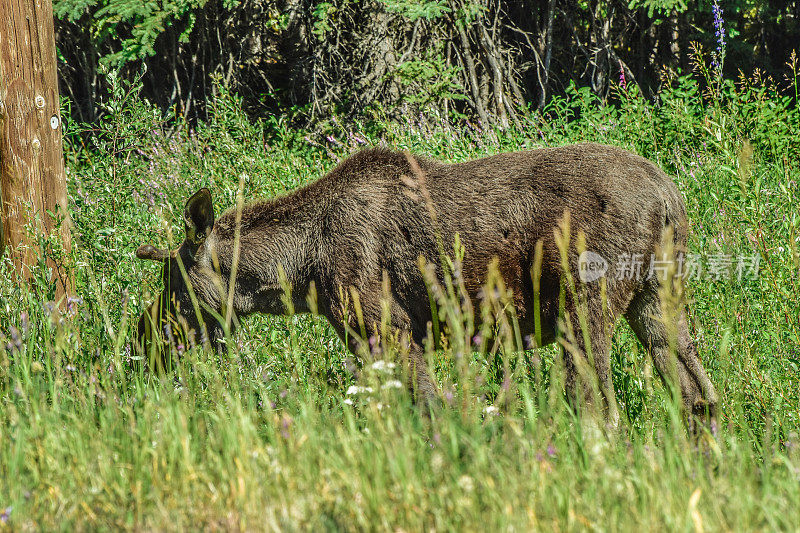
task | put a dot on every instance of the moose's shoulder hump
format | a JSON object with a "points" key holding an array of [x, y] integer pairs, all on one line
{"points": [[369, 159]]}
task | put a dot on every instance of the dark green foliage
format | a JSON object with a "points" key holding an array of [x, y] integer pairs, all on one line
{"points": [[360, 58]]}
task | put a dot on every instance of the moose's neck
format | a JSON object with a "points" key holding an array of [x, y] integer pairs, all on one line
{"points": [[276, 243]]}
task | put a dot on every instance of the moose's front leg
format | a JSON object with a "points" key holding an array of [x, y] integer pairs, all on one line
{"points": [[419, 381], [356, 324]]}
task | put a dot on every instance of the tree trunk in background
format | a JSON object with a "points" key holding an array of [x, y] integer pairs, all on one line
{"points": [[31, 158]]}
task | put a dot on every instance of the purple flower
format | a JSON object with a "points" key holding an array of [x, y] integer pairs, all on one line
{"points": [[719, 31], [73, 303], [448, 396], [286, 423], [16, 338], [358, 139], [6, 514], [622, 76], [551, 450]]}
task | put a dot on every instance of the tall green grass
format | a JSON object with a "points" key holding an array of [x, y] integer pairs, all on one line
{"points": [[289, 432]]}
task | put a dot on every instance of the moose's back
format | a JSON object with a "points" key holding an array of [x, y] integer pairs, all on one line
{"points": [[387, 209]]}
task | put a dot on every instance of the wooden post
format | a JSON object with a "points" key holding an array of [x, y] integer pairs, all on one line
{"points": [[32, 180]]}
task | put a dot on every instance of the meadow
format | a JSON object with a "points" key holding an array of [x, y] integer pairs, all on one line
{"points": [[287, 432]]}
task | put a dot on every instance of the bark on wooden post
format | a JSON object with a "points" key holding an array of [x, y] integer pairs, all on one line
{"points": [[32, 179]]}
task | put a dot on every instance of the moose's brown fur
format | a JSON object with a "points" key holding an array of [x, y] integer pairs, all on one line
{"points": [[370, 218]]}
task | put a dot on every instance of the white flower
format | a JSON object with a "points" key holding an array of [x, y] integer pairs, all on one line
{"points": [[393, 384], [348, 401], [466, 483], [491, 410], [355, 389], [383, 366]]}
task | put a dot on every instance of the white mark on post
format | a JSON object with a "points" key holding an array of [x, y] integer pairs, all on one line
{"points": [[54, 122], [36, 144], [39, 101]]}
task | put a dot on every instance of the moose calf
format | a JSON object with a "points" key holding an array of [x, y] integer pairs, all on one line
{"points": [[370, 219]]}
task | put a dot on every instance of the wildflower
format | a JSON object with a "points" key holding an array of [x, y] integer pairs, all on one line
{"points": [[348, 401], [392, 384], [286, 423], [719, 31], [358, 139], [383, 366], [16, 338], [6, 514], [356, 389], [491, 410], [466, 483], [551, 450], [70, 368], [73, 303], [622, 76]]}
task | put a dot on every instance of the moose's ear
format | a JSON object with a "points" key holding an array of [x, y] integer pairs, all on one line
{"points": [[199, 216], [152, 253]]}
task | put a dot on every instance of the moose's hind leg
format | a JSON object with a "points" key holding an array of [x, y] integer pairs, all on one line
{"points": [[581, 372], [646, 317]]}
